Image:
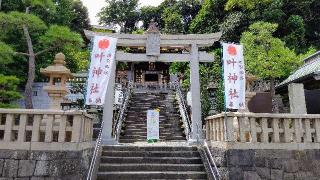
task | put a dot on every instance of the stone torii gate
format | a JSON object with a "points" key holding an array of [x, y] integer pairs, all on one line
{"points": [[152, 40]]}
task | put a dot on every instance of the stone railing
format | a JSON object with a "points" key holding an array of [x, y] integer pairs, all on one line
{"points": [[265, 130], [45, 129]]}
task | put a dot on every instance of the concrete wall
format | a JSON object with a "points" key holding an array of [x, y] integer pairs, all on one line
{"points": [[41, 165], [255, 164], [40, 98]]}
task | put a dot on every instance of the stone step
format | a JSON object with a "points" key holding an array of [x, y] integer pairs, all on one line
{"points": [[151, 175], [162, 137], [161, 133], [135, 124], [132, 127], [144, 129], [149, 148], [145, 140], [164, 129], [144, 122], [150, 153], [144, 136], [150, 167], [144, 117], [144, 126], [166, 160]]}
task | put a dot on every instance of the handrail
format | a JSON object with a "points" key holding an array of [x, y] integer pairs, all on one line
{"points": [[184, 113], [118, 123], [95, 153], [208, 156], [205, 145]]}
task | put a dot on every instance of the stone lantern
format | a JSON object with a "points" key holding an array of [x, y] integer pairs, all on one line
{"points": [[58, 75]]}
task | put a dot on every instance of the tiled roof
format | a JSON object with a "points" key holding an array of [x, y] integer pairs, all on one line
{"points": [[310, 68]]}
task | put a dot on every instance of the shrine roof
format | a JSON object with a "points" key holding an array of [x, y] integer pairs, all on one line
{"points": [[139, 40], [311, 68]]}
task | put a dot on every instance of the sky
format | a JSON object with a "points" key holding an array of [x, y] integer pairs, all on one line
{"points": [[94, 7]]}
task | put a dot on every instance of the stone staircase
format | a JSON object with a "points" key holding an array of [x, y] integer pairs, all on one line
{"points": [[150, 162], [135, 159], [135, 124]]}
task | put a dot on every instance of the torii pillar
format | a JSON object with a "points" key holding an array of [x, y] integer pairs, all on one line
{"points": [[196, 122]]}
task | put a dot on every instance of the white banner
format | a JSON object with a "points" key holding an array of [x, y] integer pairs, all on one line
{"points": [[234, 76], [152, 124], [102, 58]]}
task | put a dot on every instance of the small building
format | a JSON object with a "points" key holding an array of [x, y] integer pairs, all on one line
{"points": [[308, 76]]}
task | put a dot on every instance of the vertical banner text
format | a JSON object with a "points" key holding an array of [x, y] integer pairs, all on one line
{"points": [[234, 76], [102, 57]]}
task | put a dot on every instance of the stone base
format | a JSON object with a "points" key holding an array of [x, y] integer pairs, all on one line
{"points": [[256, 164], [193, 142], [22, 164], [109, 142]]}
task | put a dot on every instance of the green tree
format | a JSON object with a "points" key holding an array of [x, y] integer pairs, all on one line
{"points": [[81, 17], [38, 38], [266, 56], [247, 4], [209, 18], [233, 25], [188, 10], [296, 37], [120, 12], [297, 19], [8, 91], [172, 21], [183, 12], [69, 13], [149, 13]]}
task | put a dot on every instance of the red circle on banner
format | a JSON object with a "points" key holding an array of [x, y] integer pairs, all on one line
{"points": [[232, 50], [104, 44]]}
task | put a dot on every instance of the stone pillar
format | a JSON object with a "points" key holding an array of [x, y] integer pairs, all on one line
{"points": [[131, 77], [108, 110], [196, 122], [297, 99]]}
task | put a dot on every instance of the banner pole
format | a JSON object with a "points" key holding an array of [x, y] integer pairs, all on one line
{"points": [[224, 96]]}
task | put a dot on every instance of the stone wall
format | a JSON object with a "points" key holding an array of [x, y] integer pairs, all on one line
{"points": [[41, 165], [255, 164]]}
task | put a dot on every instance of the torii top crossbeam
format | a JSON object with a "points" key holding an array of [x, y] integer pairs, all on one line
{"points": [[139, 40]]}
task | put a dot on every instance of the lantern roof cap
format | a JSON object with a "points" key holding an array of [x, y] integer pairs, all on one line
{"points": [[57, 68]]}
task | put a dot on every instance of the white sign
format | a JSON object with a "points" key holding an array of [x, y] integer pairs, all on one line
{"points": [[234, 76], [189, 98], [102, 61], [118, 97], [152, 124]]}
